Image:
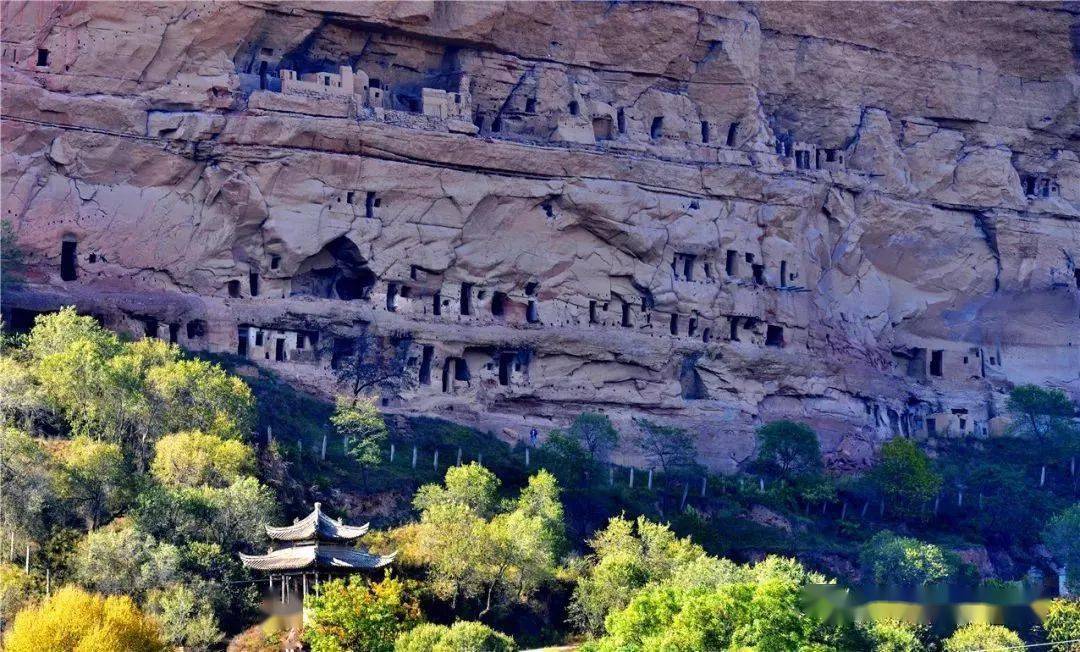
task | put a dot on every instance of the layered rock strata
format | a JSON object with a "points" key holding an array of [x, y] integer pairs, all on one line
{"points": [[865, 216]]}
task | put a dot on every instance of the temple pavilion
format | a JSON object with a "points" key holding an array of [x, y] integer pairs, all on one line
{"points": [[312, 544]]}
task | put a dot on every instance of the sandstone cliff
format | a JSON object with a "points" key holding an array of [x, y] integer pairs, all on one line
{"points": [[861, 215]]}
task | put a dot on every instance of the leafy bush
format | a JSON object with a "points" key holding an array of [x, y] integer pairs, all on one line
{"points": [[1062, 623], [905, 477], [192, 458], [359, 615], [890, 559], [982, 638], [462, 636]]}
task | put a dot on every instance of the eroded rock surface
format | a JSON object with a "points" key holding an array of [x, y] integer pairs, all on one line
{"points": [[864, 216]]}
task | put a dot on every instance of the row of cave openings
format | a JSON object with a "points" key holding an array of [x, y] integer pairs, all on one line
{"points": [[684, 267]]}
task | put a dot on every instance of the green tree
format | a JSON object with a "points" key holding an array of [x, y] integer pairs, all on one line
{"points": [[890, 559], [199, 395], [595, 434], [470, 485], [359, 615], [233, 517], [892, 636], [758, 608], [362, 425], [75, 620], [566, 457], [187, 619], [905, 477], [980, 637], [462, 636], [1062, 538], [477, 551], [193, 458], [668, 448], [122, 561], [789, 448], [1040, 413], [28, 486], [626, 556], [94, 477], [1062, 623], [17, 590], [22, 400]]}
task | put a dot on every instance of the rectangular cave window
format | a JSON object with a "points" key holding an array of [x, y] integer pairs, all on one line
{"points": [[759, 274], [731, 263], [674, 327], [506, 362], [707, 268], [688, 267], [68, 271], [706, 335], [466, 298], [461, 369], [936, 362], [530, 105], [425, 364], [343, 350], [532, 314], [300, 341], [592, 312], [498, 304], [391, 296], [258, 338], [369, 204], [931, 426], [783, 273], [774, 336], [436, 304], [704, 131], [196, 328], [620, 119], [42, 57], [732, 131], [626, 315], [657, 128], [573, 106], [242, 340], [174, 333], [275, 261], [1076, 274], [279, 350], [496, 124], [733, 323], [691, 327], [150, 327], [253, 283], [350, 197], [234, 289]]}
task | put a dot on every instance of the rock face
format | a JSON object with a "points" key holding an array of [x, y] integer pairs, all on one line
{"points": [[862, 216]]}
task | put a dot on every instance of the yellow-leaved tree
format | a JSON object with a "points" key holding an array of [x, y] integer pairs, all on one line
{"points": [[76, 621]]}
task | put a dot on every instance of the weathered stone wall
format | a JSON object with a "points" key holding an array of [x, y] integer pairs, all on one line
{"points": [[864, 216]]}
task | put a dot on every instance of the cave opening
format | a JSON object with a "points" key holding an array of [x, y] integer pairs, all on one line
{"points": [[704, 131], [774, 336], [279, 349], [732, 131], [936, 362], [657, 128], [506, 362], [425, 364], [466, 299], [731, 262], [498, 303], [234, 289], [68, 261]]}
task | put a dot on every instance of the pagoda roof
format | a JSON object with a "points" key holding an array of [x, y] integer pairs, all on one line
{"points": [[316, 555], [317, 526]]}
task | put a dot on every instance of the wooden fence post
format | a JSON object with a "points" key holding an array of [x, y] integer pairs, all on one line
{"points": [[435, 462], [650, 479], [323, 454], [392, 451], [631, 480], [414, 456], [704, 480]]}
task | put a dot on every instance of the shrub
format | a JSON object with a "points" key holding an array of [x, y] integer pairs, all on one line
{"points": [[462, 636], [890, 559], [359, 615], [980, 637]]}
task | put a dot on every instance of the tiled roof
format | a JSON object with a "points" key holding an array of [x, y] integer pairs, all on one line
{"points": [[317, 526], [316, 555]]}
